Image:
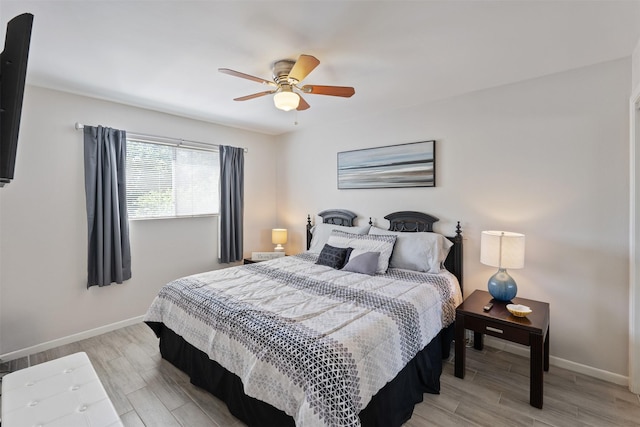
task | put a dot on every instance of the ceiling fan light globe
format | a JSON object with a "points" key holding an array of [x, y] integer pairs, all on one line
{"points": [[286, 101]]}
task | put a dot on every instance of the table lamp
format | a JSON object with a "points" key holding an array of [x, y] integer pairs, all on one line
{"points": [[279, 238], [502, 249]]}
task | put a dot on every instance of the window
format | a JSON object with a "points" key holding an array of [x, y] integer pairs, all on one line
{"points": [[166, 181]]}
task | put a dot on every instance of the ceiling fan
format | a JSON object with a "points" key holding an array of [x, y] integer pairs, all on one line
{"points": [[287, 75]]}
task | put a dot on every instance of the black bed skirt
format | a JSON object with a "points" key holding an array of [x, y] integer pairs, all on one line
{"points": [[392, 406]]}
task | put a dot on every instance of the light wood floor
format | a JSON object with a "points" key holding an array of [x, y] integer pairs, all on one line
{"points": [[148, 391]]}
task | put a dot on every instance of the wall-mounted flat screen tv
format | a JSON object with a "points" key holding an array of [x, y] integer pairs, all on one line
{"points": [[13, 71]]}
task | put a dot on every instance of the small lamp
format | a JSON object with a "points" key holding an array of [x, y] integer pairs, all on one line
{"points": [[502, 249], [279, 238]]}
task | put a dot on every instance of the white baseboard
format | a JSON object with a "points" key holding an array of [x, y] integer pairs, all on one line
{"points": [[559, 362], [69, 339]]}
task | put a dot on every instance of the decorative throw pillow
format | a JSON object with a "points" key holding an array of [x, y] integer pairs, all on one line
{"points": [[362, 262], [320, 234], [367, 243], [421, 251], [333, 257]]}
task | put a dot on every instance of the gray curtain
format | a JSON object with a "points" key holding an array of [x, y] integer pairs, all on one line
{"points": [[231, 203], [105, 152]]}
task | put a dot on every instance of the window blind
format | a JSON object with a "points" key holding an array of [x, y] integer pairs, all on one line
{"points": [[166, 181]]}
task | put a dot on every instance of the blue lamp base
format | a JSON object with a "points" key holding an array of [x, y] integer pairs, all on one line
{"points": [[501, 286]]}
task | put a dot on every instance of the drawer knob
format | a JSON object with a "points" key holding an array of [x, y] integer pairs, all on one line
{"points": [[499, 331]]}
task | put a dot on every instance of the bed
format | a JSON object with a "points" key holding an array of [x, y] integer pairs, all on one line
{"points": [[323, 337]]}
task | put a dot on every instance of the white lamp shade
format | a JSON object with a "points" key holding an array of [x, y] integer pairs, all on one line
{"points": [[502, 249], [279, 236], [286, 100]]}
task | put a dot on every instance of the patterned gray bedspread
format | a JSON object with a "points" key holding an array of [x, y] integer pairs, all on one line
{"points": [[315, 342]]}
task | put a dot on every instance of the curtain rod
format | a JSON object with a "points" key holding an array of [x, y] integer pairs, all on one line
{"points": [[164, 140]]}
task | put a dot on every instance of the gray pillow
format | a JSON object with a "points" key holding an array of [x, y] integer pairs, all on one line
{"points": [[362, 262], [417, 251], [333, 257]]}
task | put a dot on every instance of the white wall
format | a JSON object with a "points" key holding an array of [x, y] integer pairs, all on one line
{"points": [[546, 157], [43, 227]]}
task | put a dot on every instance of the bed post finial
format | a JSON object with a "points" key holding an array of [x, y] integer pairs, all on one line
{"points": [[308, 231], [457, 255]]}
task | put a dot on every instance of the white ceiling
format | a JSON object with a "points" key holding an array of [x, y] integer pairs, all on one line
{"points": [[164, 55]]}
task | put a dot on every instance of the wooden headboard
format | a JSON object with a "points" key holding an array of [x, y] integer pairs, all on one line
{"points": [[402, 221], [332, 216]]}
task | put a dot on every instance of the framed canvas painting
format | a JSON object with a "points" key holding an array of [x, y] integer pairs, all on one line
{"points": [[392, 166]]}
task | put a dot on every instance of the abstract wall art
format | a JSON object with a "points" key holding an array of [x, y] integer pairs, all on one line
{"points": [[393, 166]]}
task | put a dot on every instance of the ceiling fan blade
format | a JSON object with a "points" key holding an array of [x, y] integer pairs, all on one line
{"points": [[344, 91], [246, 76], [255, 95], [303, 66], [302, 105]]}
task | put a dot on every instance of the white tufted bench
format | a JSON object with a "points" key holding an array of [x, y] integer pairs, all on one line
{"points": [[64, 392]]}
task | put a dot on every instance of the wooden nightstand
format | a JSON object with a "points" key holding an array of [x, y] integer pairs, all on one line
{"points": [[532, 330]]}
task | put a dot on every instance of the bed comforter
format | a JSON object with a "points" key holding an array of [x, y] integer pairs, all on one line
{"points": [[313, 341]]}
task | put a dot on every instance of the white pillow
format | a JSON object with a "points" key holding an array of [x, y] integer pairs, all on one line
{"points": [[418, 251], [321, 232], [366, 242]]}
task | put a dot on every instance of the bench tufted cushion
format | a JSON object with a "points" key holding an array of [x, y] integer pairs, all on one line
{"points": [[61, 392]]}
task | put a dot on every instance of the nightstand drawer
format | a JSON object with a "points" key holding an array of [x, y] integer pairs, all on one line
{"points": [[496, 329]]}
